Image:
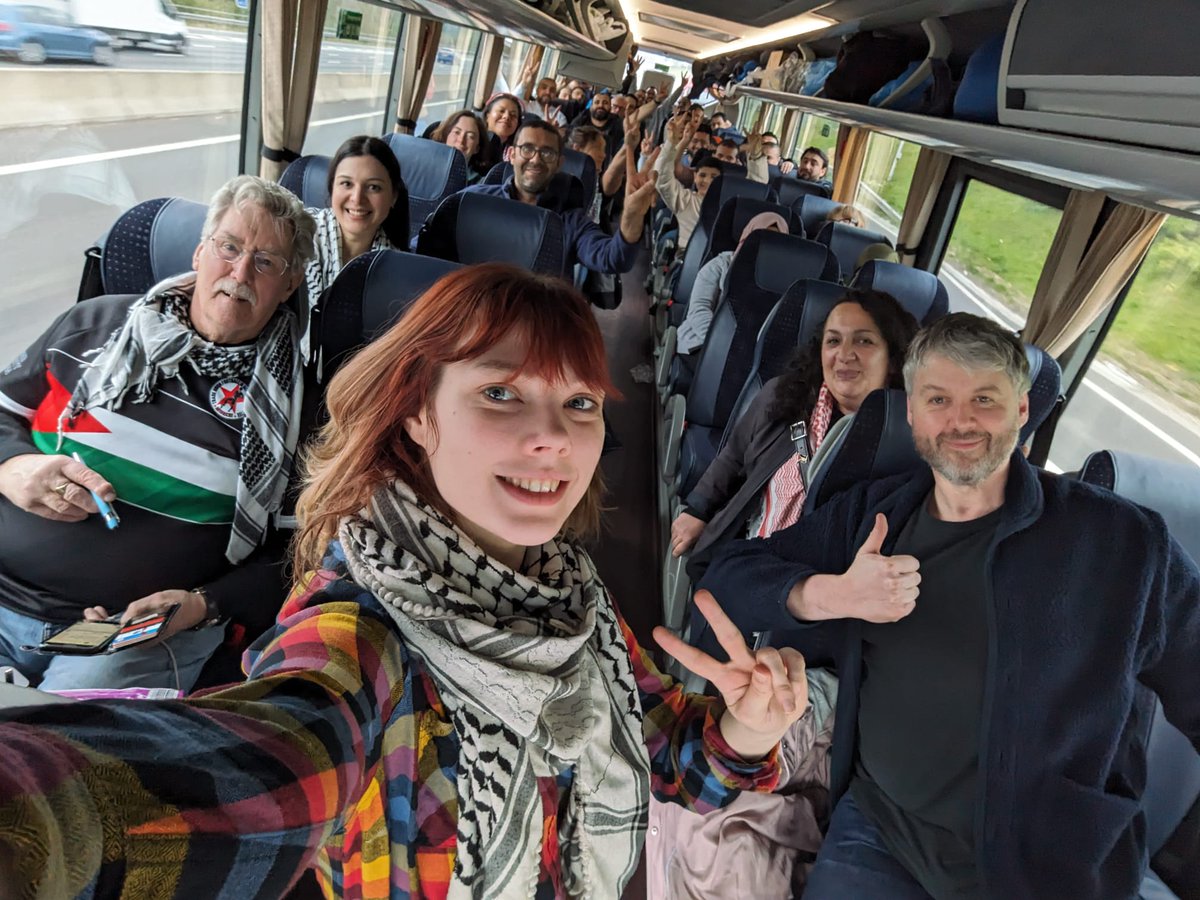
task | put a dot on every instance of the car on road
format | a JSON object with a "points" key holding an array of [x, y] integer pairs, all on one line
{"points": [[445, 56], [34, 34]]}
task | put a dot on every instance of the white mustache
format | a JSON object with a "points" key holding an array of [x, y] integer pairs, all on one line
{"points": [[238, 290]]}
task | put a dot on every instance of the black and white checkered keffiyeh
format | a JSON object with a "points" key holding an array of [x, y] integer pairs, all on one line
{"points": [[536, 676], [149, 348]]}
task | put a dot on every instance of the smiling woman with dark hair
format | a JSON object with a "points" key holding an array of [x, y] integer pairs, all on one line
{"points": [[753, 488], [364, 213]]}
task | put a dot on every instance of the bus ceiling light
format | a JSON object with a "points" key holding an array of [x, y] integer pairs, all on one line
{"points": [[791, 28], [630, 11]]}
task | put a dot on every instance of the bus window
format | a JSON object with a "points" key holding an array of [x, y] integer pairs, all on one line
{"points": [[821, 133], [512, 60], [353, 75], [886, 177], [451, 74], [85, 142], [997, 249], [1142, 392]]}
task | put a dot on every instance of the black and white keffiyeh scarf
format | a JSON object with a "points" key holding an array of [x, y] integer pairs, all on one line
{"points": [[156, 339], [536, 676], [324, 266]]}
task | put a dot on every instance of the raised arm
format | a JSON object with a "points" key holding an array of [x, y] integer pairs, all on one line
{"points": [[148, 792]]}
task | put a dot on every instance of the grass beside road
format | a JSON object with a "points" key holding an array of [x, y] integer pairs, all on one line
{"points": [[1157, 331]]}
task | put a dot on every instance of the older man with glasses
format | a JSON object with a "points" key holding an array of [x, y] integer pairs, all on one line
{"points": [[180, 410], [536, 158]]}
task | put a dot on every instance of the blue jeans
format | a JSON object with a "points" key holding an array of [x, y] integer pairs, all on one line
{"points": [[174, 663], [854, 862]]}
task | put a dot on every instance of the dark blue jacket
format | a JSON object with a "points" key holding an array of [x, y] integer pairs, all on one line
{"points": [[1090, 600], [585, 241]]}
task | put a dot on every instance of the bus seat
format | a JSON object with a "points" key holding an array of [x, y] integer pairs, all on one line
{"points": [[814, 211], [735, 214], [1045, 389], [431, 172], [792, 324], [787, 189], [495, 229], [562, 184], [366, 298], [848, 242], [921, 293], [1172, 765], [764, 267], [873, 443], [696, 254], [308, 178], [152, 241], [582, 167]]}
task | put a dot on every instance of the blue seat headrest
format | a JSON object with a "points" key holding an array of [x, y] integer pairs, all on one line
{"points": [[1045, 389], [430, 170], [582, 167], [152, 241], [308, 178], [820, 297], [847, 243], [814, 210], [1171, 489], [921, 293], [877, 443], [788, 190], [496, 229], [368, 296], [771, 261]]}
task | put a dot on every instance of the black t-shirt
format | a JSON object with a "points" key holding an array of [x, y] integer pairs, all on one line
{"points": [[919, 706]]}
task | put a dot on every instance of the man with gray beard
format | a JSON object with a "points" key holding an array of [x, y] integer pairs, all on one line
{"points": [[180, 410], [1004, 633]]}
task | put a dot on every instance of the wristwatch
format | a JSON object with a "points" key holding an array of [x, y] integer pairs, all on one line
{"points": [[212, 615]]}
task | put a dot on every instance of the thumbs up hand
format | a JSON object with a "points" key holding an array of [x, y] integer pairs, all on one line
{"points": [[880, 588], [876, 588]]}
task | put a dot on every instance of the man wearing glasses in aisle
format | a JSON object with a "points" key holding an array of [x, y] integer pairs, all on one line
{"points": [[536, 157], [180, 409]]}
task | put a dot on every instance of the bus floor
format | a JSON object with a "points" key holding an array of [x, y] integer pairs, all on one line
{"points": [[625, 553]]}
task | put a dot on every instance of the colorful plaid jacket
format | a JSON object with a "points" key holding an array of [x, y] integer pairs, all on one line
{"points": [[336, 753]]}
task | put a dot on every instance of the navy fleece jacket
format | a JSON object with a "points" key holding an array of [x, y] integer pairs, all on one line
{"points": [[1093, 608]]}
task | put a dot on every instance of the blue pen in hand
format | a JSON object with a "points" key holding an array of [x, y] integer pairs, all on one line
{"points": [[111, 519]]}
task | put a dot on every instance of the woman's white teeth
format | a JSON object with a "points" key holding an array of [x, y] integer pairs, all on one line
{"points": [[535, 487]]}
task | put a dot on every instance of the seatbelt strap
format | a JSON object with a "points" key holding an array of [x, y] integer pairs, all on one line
{"points": [[798, 431]]}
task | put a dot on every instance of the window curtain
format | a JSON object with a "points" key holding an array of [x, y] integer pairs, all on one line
{"points": [[291, 54], [852, 151], [928, 175], [421, 46], [491, 49], [1063, 308]]}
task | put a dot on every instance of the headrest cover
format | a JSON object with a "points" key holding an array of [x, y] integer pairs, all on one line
{"points": [[770, 261], [496, 229], [174, 237], [430, 170], [919, 292]]}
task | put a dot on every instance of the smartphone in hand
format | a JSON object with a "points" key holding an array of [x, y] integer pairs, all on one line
{"points": [[109, 635]]}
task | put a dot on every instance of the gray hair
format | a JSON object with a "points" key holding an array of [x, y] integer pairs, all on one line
{"points": [[292, 221], [972, 342]]}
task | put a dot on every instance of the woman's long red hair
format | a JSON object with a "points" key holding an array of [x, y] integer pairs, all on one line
{"points": [[364, 444]]}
